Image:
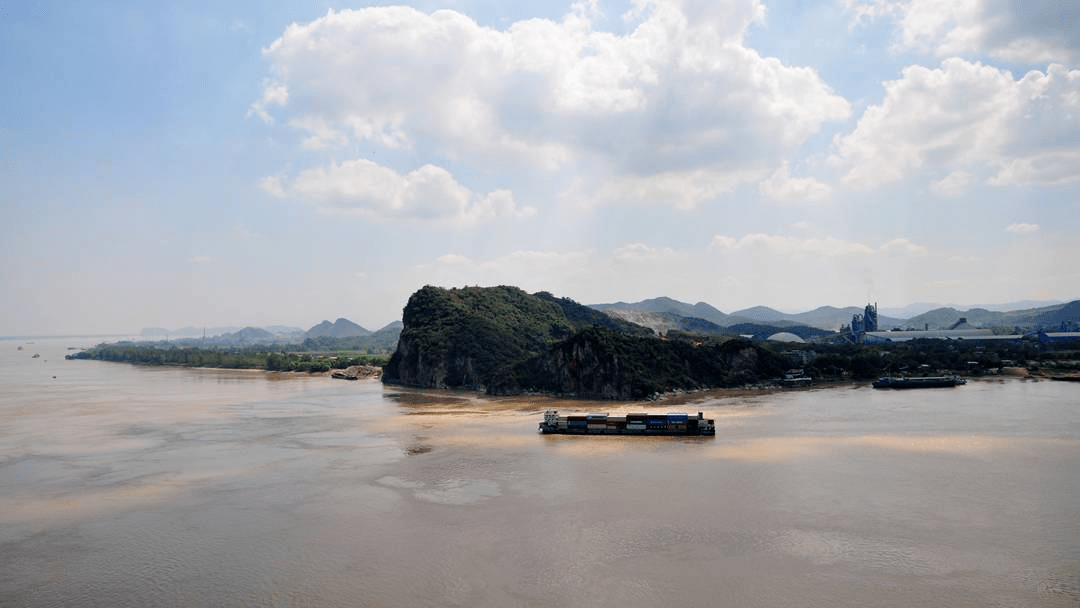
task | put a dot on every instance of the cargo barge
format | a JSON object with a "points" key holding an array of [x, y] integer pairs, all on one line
{"points": [[927, 382], [630, 424]]}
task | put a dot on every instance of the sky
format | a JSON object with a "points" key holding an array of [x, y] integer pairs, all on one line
{"points": [[204, 163]]}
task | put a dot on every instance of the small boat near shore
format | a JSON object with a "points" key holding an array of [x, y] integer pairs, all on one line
{"points": [[919, 382]]}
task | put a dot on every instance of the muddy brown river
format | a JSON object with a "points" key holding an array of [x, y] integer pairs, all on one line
{"points": [[138, 486]]}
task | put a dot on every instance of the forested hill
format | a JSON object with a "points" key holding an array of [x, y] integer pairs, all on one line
{"points": [[504, 340]]}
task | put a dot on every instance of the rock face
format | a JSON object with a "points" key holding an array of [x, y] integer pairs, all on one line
{"points": [[599, 364], [505, 341], [471, 337]]}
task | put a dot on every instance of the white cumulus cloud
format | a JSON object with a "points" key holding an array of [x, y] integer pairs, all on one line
{"points": [[1021, 228], [453, 259], [641, 252], [781, 186], [366, 188], [963, 118], [953, 184], [1032, 31], [678, 107], [792, 246]]}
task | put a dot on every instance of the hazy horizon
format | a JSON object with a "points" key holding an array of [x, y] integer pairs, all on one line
{"points": [[920, 307], [203, 163]]}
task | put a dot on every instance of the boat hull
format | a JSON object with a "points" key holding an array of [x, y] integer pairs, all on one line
{"points": [[556, 431], [676, 424], [931, 382]]}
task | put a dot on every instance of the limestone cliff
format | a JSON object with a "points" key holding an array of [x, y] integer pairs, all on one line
{"points": [[471, 337], [597, 363], [505, 341]]}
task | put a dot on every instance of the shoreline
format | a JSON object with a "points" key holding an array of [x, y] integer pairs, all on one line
{"points": [[680, 397], [675, 397]]}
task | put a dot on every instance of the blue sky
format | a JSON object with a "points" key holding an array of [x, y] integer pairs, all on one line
{"points": [[205, 163]]}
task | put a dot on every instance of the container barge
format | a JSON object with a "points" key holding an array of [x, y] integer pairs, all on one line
{"points": [[927, 382], [630, 424]]}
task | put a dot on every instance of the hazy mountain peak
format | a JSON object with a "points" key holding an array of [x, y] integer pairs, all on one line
{"points": [[761, 313], [341, 328]]}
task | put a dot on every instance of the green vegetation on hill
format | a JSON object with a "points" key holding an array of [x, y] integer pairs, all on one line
{"points": [[584, 316], [599, 363], [504, 340], [466, 337], [382, 341]]}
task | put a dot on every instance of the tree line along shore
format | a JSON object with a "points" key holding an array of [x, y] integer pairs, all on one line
{"points": [[825, 362], [231, 358]]}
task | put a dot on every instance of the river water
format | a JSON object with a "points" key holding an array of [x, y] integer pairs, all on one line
{"points": [[137, 486]]}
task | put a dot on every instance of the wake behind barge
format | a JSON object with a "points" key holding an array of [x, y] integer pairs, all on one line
{"points": [[630, 424]]}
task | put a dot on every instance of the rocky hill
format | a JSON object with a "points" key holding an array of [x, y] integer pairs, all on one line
{"points": [[472, 337], [1046, 317], [659, 323], [670, 324], [504, 340], [596, 363], [1068, 315]]}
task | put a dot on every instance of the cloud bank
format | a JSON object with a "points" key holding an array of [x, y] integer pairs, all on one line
{"points": [[966, 119], [1032, 32], [675, 112], [365, 188]]}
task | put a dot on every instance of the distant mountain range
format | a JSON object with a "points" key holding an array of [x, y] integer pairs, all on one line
{"points": [[913, 310], [1047, 317], [282, 332], [825, 317], [663, 323], [661, 315], [665, 314], [342, 333]]}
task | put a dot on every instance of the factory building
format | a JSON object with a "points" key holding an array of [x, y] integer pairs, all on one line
{"points": [[868, 321], [1058, 336], [983, 335]]}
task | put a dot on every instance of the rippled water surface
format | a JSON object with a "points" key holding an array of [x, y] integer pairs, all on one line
{"points": [[135, 486]]}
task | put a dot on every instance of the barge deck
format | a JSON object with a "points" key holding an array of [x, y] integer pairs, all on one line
{"points": [[630, 424]]}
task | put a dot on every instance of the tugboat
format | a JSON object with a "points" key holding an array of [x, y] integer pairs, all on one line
{"points": [[923, 382], [630, 424]]}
